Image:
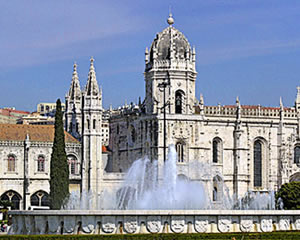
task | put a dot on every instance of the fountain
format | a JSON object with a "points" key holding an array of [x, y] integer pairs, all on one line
{"points": [[141, 190], [147, 204]]}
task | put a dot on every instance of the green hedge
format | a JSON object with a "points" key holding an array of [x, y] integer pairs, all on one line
{"points": [[194, 236]]}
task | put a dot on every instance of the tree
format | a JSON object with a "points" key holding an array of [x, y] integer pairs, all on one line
{"points": [[59, 169], [289, 193]]}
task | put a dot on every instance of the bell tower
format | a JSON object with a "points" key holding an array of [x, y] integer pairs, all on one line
{"points": [[91, 133], [171, 61]]}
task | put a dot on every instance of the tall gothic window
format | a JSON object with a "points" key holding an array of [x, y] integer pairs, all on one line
{"points": [[217, 188], [73, 165], [11, 163], [257, 163], [179, 150], [217, 150], [94, 124], [133, 134], [88, 124], [41, 163], [215, 194], [297, 154], [178, 101]]}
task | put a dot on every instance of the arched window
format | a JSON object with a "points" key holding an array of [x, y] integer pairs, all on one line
{"points": [[73, 165], [11, 163], [297, 154], [217, 188], [257, 163], [94, 124], [88, 123], [12, 197], [178, 101], [133, 134], [182, 177], [41, 163], [217, 150], [179, 150], [40, 199], [215, 194]]}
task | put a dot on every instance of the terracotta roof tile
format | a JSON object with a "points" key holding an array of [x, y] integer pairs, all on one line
{"points": [[37, 133]]}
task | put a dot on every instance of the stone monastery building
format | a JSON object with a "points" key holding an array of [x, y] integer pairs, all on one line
{"points": [[249, 148]]}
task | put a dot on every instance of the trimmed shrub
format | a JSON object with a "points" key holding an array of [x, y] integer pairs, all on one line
{"points": [[289, 193]]}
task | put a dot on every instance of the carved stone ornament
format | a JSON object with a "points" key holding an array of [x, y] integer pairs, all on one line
{"points": [[246, 224], [297, 224], [154, 224], [177, 224], [266, 224], [88, 224], [69, 224], [201, 224], [29, 224], [130, 224], [224, 224], [284, 223], [108, 224], [18, 222], [53, 224], [40, 224]]}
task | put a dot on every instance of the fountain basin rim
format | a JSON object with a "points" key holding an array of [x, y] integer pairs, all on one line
{"points": [[153, 212]]}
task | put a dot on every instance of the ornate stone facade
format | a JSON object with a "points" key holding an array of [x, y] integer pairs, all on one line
{"points": [[246, 148], [250, 148], [25, 152]]}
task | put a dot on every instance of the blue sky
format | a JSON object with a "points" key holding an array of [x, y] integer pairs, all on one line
{"points": [[245, 48]]}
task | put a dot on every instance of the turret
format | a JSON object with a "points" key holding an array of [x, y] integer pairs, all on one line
{"points": [[281, 111], [238, 109], [91, 139], [73, 106], [297, 102], [92, 88], [201, 105]]}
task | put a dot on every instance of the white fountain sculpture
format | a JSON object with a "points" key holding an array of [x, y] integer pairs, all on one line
{"points": [[142, 189]]}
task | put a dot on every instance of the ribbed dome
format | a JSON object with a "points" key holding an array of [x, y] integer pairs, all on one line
{"points": [[170, 43]]}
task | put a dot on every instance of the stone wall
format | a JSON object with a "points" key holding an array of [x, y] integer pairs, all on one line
{"points": [[152, 221]]}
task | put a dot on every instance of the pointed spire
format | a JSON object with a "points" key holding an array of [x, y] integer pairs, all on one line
{"points": [[194, 54], [237, 101], [281, 111], [146, 55], [92, 85], [201, 105], [201, 99], [75, 92], [238, 110], [297, 102]]}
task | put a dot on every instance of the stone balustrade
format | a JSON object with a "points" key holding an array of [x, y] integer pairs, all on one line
{"points": [[152, 221]]}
